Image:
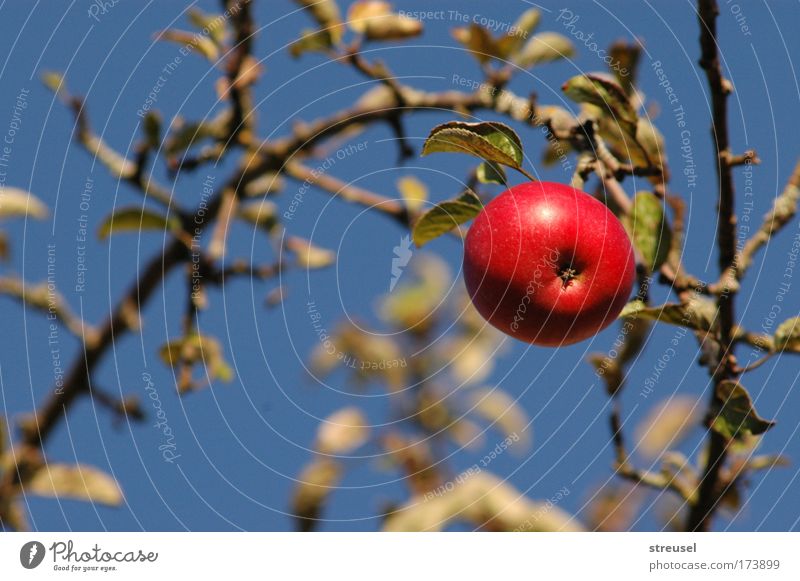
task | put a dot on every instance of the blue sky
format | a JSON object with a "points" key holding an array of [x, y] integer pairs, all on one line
{"points": [[240, 444]]}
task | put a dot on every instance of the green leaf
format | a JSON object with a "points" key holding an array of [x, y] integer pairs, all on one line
{"points": [[525, 25], [648, 227], [151, 126], [787, 335], [135, 219], [605, 93], [311, 41], [76, 483], [488, 140], [699, 313], [445, 216], [490, 173], [737, 416], [544, 47], [16, 203]]}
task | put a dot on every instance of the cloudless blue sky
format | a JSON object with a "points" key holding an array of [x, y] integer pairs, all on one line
{"points": [[241, 444]]}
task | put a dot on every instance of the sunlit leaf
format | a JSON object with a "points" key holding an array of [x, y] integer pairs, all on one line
{"points": [[499, 408], [77, 482], [605, 93], [135, 219], [523, 28], [311, 41], [666, 425], [314, 484], [787, 335], [376, 21], [263, 214], [488, 140], [414, 192], [192, 40], [196, 349], [16, 203], [544, 47], [211, 24], [737, 416], [269, 183], [308, 255], [482, 500], [54, 81], [327, 15], [445, 216], [414, 301], [342, 432], [478, 41]]}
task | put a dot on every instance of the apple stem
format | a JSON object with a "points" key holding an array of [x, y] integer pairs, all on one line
{"points": [[566, 275]]}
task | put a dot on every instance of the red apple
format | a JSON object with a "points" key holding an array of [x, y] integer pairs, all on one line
{"points": [[548, 264]]}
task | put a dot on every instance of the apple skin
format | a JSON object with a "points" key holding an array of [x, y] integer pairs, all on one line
{"points": [[517, 257]]}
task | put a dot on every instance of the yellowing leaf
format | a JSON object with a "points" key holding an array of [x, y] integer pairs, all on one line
{"points": [[77, 482], [360, 13], [135, 219], [544, 47], [499, 408], [376, 21], [308, 255], [445, 216], [54, 81], [314, 484], [479, 42], [342, 432], [666, 425], [524, 26], [311, 41], [16, 203], [413, 302], [605, 93], [263, 214], [413, 191], [787, 335], [211, 24], [484, 501], [193, 40], [327, 15]]}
